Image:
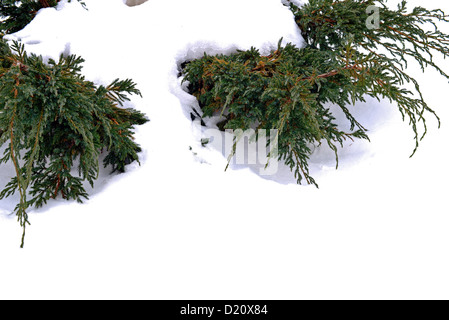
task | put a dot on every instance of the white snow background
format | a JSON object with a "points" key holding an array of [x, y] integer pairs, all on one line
{"points": [[177, 228]]}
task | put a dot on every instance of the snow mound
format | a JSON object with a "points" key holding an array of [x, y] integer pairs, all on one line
{"points": [[178, 226]]}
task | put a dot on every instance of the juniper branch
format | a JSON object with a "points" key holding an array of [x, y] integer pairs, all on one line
{"points": [[343, 62], [53, 119]]}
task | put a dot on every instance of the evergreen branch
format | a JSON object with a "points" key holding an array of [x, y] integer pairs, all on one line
{"points": [[342, 63], [22, 216], [17, 14], [51, 117]]}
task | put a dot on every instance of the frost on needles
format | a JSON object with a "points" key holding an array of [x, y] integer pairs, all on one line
{"points": [[344, 61], [54, 125]]}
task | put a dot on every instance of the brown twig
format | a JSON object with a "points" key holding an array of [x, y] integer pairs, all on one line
{"points": [[331, 73]]}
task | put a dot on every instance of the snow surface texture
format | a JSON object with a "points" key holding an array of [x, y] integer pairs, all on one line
{"points": [[179, 227]]}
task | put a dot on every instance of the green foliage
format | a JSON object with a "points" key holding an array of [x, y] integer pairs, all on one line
{"points": [[55, 124], [17, 14], [343, 62]]}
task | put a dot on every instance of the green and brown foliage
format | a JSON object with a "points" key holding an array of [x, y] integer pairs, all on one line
{"points": [[344, 61], [54, 125], [17, 14]]}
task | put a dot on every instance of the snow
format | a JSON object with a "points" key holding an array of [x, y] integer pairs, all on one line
{"points": [[179, 228]]}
